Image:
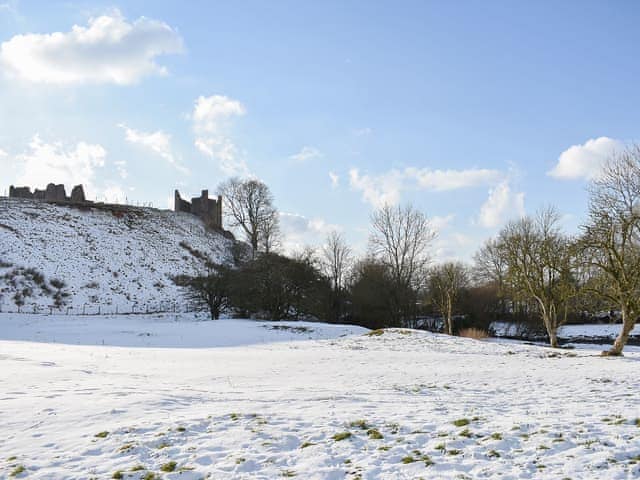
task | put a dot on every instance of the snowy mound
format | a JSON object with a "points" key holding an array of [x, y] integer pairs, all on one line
{"points": [[110, 258]]}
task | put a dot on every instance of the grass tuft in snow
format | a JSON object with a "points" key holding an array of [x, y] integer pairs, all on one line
{"points": [[101, 434], [17, 471], [117, 475], [374, 434], [461, 422], [375, 333], [496, 436], [307, 444], [137, 468], [361, 424], [168, 467], [288, 473], [341, 436]]}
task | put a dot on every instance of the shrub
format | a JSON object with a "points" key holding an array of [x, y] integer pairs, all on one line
{"points": [[475, 333]]}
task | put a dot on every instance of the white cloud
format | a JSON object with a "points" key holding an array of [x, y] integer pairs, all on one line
{"points": [[377, 190], [306, 154], [299, 231], [158, 142], [501, 205], [440, 223], [335, 179], [108, 50], [121, 167], [212, 117], [362, 132], [584, 161], [58, 163], [386, 188], [441, 180]]}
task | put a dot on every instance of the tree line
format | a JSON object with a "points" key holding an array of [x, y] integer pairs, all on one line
{"points": [[530, 272]]}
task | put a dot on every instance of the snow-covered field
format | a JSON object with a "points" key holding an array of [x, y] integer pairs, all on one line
{"points": [[240, 399], [108, 259]]}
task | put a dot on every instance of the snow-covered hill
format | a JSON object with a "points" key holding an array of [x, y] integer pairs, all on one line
{"points": [[109, 258]]}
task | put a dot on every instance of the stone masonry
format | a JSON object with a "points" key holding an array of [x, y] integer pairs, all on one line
{"points": [[208, 209], [53, 193]]}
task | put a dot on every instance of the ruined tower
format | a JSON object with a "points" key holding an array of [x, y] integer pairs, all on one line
{"points": [[207, 209]]}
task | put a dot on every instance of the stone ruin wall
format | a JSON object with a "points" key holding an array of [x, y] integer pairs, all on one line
{"points": [[207, 209], [53, 193]]}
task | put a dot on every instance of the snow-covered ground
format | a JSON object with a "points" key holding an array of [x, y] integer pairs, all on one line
{"points": [[241, 399], [109, 259]]}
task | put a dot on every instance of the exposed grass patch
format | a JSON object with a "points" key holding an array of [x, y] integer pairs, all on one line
{"points": [[240, 460], [341, 436], [374, 434], [475, 333], [466, 433], [440, 447], [117, 475], [493, 454], [454, 451], [137, 468], [234, 416], [384, 448], [12, 458], [307, 444], [361, 424], [17, 471], [163, 445], [461, 422], [168, 467], [149, 476], [181, 429], [101, 434], [288, 473], [126, 447], [496, 436], [375, 333], [408, 459]]}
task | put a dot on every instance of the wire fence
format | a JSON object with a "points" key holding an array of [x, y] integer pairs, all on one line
{"points": [[99, 309]]}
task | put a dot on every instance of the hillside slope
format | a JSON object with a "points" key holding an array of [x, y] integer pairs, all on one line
{"points": [[109, 257]]}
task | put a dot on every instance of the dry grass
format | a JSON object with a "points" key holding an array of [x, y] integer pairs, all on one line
{"points": [[476, 333]]}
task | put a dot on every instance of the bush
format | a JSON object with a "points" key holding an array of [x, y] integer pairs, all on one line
{"points": [[475, 333]]}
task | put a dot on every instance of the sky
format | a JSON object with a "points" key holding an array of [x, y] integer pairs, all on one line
{"points": [[474, 112]]}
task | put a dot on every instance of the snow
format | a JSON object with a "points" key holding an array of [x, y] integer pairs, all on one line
{"points": [[239, 399], [112, 262]]}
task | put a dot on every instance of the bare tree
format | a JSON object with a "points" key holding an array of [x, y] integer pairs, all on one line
{"points": [[336, 261], [611, 237], [336, 258], [400, 240], [249, 207], [270, 236], [446, 284], [540, 265]]}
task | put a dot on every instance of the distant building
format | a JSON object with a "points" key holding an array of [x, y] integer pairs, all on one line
{"points": [[208, 209]]}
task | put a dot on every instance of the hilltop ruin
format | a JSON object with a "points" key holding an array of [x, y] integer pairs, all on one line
{"points": [[208, 209], [203, 207], [53, 193]]}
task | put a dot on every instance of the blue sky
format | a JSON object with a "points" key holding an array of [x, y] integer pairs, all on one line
{"points": [[475, 112]]}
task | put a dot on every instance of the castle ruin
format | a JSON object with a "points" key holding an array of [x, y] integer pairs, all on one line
{"points": [[208, 209], [53, 193], [203, 207]]}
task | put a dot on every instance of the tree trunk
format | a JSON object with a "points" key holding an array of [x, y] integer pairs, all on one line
{"points": [[628, 322], [552, 330], [449, 319]]}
